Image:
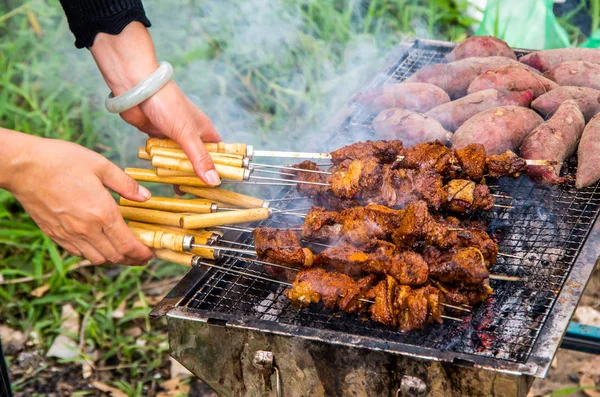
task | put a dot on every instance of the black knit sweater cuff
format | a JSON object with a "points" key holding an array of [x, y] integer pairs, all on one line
{"points": [[87, 18]]}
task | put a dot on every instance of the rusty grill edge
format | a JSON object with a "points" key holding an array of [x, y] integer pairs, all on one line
{"points": [[518, 331]]}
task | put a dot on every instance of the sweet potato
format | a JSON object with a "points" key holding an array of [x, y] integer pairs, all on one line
{"points": [[588, 100], [576, 74], [481, 46], [453, 114], [498, 129], [409, 127], [455, 77], [512, 78], [555, 140], [547, 59], [588, 167], [418, 97]]}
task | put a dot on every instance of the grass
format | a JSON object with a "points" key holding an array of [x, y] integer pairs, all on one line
{"points": [[266, 72]]}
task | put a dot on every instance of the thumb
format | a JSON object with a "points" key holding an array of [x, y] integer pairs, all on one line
{"points": [[119, 182]]}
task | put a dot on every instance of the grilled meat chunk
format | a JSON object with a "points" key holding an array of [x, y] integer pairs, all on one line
{"points": [[506, 164], [281, 246], [472, 161], [311, 190], [336, 290], [407, 267], [429, 156], [320, 224], [344, 258], [384, 151], [465, 196], [384, 294], [356, 178], [456, 296], [462, 266]]}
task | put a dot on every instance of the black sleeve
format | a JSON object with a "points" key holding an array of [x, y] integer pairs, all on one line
{"points": [[87, 18]]}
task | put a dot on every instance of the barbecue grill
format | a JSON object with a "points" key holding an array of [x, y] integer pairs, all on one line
{"points": [[241, 336]]}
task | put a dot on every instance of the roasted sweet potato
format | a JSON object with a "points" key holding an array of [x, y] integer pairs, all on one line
{"points": [[453, 114], [576, 74], [555, 140], [481, 46], [409, 127], [588, 100], [455, 77], [588, 154], [498, 129], [418, 97], [547, 59], [512, 78]]}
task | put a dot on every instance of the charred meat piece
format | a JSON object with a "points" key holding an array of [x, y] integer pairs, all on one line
{"points": [[336, 290], [465, 196], [407, 267], [506, 164], [472, 161], [415, 224], [360, 225], [356, 178], [384, 294], [384, 151], [311, 190], [461, 266], [429, 156], [281, 246], [411, 185], [320, 224], [412, 307], [456, 296], [433, 297], [344, 258]]}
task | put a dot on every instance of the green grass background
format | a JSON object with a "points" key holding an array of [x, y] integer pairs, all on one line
{"points": [[266, 72]]}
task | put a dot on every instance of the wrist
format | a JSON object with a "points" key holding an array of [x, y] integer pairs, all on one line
{"points": [[15, 150], [125, 59]]}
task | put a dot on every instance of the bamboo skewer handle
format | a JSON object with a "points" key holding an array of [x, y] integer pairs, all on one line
{"points": [[217, 158], [143, 175], [224, 218], [151, 216], [166, 172], [197, 206], [182, 258], [226, 196], [225, 171], [158, 239], [239, 149], [200, 236], [143, 154]]}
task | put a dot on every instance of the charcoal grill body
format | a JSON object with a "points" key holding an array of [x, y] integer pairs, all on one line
{"points": [[220, 322]]}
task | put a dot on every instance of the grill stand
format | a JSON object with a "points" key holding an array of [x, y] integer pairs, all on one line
{"points": [[313, 368]]}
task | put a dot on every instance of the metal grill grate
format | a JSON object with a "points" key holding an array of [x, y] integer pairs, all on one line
{"points": [[547, 229]]}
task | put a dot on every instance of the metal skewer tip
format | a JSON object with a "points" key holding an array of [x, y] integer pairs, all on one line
{"points": [[510, 256], [501, 277]]}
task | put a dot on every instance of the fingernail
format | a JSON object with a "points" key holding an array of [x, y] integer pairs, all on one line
{"points": [[212, 177], [143, 192]]}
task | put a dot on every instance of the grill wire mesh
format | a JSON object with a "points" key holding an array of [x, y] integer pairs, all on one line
{"points": [[545, 232]]}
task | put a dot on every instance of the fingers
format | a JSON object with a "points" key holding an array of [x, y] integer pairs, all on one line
{"points": [[199, 157], [134, 252], [119, 182], [91, 253]]}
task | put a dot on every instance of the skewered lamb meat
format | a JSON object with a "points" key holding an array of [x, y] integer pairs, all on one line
{"points": [[281, 246], [384, 151]]}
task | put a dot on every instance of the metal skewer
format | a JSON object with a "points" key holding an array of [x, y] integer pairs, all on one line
{"points": [[301, 155], [257, 166]]}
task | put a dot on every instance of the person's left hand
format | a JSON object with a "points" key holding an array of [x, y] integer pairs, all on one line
{"points": [[128, 58]]}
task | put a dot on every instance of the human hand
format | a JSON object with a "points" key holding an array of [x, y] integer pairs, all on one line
{"points": [[128, 58], [61, 185]]}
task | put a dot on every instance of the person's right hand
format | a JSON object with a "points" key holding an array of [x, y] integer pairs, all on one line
{"points": [[62, 186]]}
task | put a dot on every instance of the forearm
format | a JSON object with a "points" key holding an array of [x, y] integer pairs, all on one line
{"points": [[14, 152]]}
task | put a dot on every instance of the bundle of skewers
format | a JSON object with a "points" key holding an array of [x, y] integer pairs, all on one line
{"points": [[384, 248]]}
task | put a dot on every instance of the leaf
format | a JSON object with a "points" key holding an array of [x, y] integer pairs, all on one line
{"points": [[35, 25], [40, 291], [114, 392]]}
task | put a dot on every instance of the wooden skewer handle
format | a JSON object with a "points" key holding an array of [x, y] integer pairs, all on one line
{"points": [[159, 239], [224, 218], [225, 171], [218, 158], [216, 147], [200, 236], [226, 196], [166, 172], [143, 154], [143, 175], [183, 258], [151, 216], [197, 206]]}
